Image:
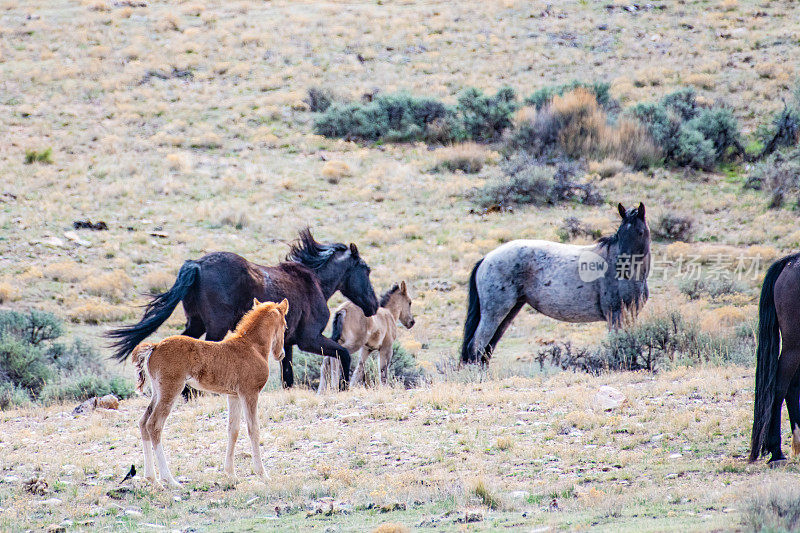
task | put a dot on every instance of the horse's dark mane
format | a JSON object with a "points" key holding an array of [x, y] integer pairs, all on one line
{"points": [[309, 252], [605, 242], [388, 294]]}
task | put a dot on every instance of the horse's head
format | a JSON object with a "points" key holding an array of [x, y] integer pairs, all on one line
{"points": [[356, 285], [274, 319], [339, 267], [398, 302], [633, 235]]}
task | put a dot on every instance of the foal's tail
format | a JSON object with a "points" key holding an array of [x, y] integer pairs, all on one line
{"points": [[473, 317], [157, 311], [139, 356], [338, 325], [769, 348]]}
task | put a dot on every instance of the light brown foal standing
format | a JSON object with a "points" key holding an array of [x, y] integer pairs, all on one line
{"points": [[355, 331], [237, 366]]}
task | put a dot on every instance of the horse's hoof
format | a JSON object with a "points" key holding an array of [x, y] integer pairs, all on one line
{"points": [[155, 482], [778, 463]]}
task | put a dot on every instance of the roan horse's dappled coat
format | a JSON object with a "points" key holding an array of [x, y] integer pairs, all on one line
{"points": [[606, 281], [357, 332], [218, 289], [777, 359], [238, 366]]}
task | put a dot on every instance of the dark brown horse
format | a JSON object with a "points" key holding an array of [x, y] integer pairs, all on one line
{"points": [[777, 359], [218, 289]]}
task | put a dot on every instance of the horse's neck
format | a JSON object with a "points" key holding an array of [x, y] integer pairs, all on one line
{"points": [[255, 337], [329, 280], [393, 309]]}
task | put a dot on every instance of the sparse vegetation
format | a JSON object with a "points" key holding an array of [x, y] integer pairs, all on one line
{"points": [[774, 507], [467, 157], [673, 227], [44, 156], [779, 177], [714, 288], [34, 367], [526, 181], [573, 227]]}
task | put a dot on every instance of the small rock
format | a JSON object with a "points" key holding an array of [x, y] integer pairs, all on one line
{"points": [[608, 398], [71, 235], [657, 438], [10, 479], [133, 512], [56, 528], [675, 455], [51, 502], [109, 401], [36, 485], [519, 495], [472, 516], [86, 407]]}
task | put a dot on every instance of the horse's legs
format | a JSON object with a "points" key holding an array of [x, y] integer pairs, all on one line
{"points": [[194, 327], [147, 441], [494, 312], [504, 326], [167, 393], [793, 406], [787, 368], [234, 416], [324, 346], [250, 404], [287, 374], [359, 377], [384, 358]]}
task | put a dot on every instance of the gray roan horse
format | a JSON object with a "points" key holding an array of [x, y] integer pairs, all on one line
{"points": [[606, 281]]}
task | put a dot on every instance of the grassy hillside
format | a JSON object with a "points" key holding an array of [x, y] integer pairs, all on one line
{"points": [[183, 126]]}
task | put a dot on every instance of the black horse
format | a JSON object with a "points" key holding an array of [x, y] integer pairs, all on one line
{"points": [[777, 359], [218, 289]]}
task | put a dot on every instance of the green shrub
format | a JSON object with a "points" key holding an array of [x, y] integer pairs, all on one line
{"points": [[403, 368], [779, 176], [543, 96], [318, 99], [687, 134], [33, 156], [774, 507], [526, 181], [674, 227], [573, 227], [712, 288], [83, 387], [784, 131], [33, 367], [390, 118], [485, 118], [306, 367]]}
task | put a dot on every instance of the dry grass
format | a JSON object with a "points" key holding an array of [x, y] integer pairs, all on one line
{"points": [[8, 292], [204, 121], [466, 157], [334, 171], [111, 285]]}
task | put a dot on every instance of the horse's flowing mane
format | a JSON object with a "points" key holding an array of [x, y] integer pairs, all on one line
{"points": [[388, 294], [309, 252], [608, 241]]}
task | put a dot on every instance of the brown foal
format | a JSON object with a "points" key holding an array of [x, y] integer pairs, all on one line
{"points": [[237, 366]]}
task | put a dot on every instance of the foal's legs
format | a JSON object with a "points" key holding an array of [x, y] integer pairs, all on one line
{"points": [[167, 393], [250, 404], [147, 442], [359, 373], [234, 416], [384, 358]]}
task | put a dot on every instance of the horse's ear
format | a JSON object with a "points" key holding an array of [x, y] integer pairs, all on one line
{"points": [[353, 250], [256, 302], [284, 306], [640, 210], [403, 288], [621, 209]]}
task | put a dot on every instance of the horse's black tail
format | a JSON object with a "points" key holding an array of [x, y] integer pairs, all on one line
{"points": [[157, 311], [473, 316], [769, 348], [336, 328]]}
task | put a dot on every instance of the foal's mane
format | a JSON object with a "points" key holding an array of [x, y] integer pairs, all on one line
{"points": [[250, 318], [386, 296], [307, 251]]}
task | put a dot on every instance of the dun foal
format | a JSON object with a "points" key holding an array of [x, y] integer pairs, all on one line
{"points": [[355, 331], [237, 366]]}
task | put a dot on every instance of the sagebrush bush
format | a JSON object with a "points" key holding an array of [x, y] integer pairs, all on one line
{"points": [[673, 227], [601, 91], [784, 130], [573, 227], [485, 118], [573, 124], [318, 99], [467, 157], [652, 344], [774, 507], [687, 134], [526, 181], [34, 367], [779, 176], [714, 288]]}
